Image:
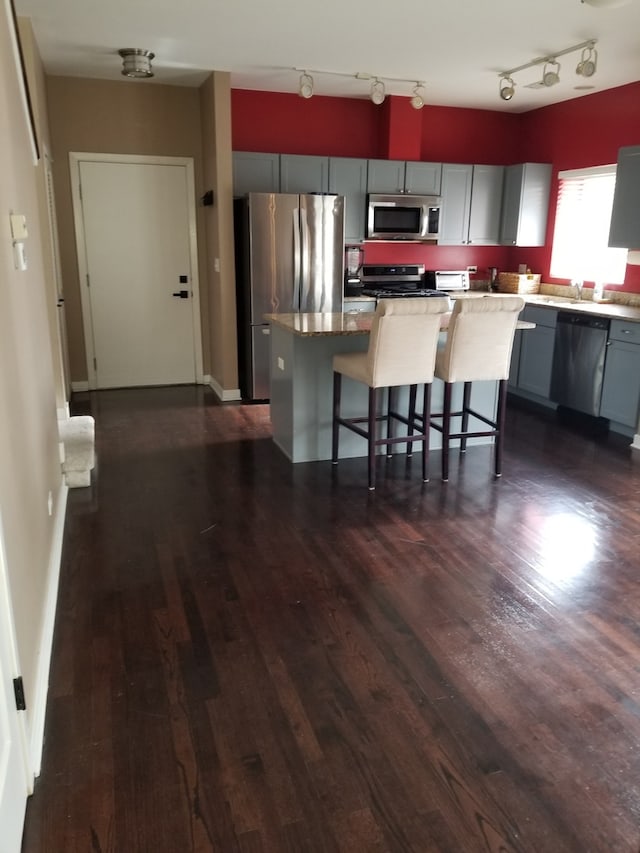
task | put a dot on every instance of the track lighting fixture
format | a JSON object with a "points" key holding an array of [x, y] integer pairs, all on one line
{"points": [[606, 4], [377, 91], [551, 68], [507, 88], [417, 101], [306, 85], [136, 62]]}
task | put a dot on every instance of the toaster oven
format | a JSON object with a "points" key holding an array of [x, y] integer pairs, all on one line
{"points": [[446, 279]]}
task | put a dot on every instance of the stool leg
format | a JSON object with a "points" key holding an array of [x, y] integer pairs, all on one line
{"points": [[390, 408], [337, 387], [466, 399], [500, 423], [426, 410], [446, 430], [371, 439], [412, 416]]}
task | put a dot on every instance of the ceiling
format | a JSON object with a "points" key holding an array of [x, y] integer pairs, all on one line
{"points": [[457, 47]]}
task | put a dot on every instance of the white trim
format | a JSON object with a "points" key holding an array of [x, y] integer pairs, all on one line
{"points": [[591, 172], [38, 702], [635, 444], [229, 396], [80, 386], [75, 159]]}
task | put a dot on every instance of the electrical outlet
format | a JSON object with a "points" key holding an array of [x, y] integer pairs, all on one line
{"points": [[472, 269]]}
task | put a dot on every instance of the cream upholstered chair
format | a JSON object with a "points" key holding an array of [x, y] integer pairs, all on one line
{"points": [[402, 349], [478, 347]]}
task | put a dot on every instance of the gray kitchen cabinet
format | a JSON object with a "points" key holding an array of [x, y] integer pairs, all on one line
{"points": [[301, 173], [352, 306], [515, 361], [471, 205], [255, 172], [536, 354], [621, 383], [525, 204], [624, 231], [399, 176], [348, 177]]}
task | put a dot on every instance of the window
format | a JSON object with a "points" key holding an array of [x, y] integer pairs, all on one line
{"points": [[581, 234]]}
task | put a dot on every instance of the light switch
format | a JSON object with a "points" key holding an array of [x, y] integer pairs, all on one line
{"points": [[19, 256], [18, 226]]}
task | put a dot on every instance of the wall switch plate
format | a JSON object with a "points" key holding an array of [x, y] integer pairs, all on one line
{"points": [[280, 363], [18, 226], [472, 269]]}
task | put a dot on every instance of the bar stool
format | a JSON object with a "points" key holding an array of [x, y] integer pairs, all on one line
{"points": [[402, 350], [478, 347]]}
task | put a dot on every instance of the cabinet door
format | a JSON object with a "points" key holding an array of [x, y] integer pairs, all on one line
{"points": [[423, 178], [525, 204], [386, 176], [536, 358], [300, 173], [255, 173], [348, 177], [486, 205], [625, 215], [456, 204], [621, 383]]}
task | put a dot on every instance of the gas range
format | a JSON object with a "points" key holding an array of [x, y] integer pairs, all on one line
{"points": [[400, 290], [385, 281]]}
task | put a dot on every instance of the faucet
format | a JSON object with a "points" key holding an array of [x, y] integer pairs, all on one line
{"points": [[578, 287]]}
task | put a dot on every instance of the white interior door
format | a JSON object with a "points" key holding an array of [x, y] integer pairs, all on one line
{"points": [[135, 220], [14, 787]]}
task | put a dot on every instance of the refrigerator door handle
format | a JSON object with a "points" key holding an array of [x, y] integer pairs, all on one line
{"points": [[305, 277], [296, 259]]}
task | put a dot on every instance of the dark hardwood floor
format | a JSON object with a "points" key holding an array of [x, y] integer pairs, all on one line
{"points": [[255, 657]]}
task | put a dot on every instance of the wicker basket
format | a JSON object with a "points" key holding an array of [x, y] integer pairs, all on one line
{"points": [[513, 282]]}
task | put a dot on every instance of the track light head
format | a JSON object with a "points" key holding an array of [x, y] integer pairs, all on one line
{"points": [[507, 88], [417, 100], [377, 94], [550, 76], [305, 89], [588, 62]]}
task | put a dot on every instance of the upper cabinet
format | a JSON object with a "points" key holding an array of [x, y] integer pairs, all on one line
{"points": [[525, 204], [399, 176], [625, 215], [471, 205], [348, 177], [255, 173], [304, 174]]}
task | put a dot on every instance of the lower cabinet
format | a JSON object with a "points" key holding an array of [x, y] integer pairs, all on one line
{"points": [[534, 357], [621, 384], [352, 306]]}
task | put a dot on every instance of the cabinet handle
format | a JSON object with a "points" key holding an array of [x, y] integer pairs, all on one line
{"points": [[626, 331]]}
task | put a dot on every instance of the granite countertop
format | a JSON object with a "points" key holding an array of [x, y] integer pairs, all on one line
{"points": [[611, 310], [317, 325]]}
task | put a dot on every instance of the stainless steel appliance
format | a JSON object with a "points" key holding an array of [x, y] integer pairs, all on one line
{"points": [[388, 281], [578, 361], [403, 217], [447, 279], [289, 258]]}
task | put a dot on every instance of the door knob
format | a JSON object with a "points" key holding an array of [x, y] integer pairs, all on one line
{"points": [[183, 294]]}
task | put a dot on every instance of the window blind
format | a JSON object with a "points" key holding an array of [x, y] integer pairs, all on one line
{"points": [[581, 234]]}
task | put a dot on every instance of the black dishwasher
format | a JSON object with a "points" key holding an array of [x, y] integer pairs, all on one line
{"points": [[578, 361]]}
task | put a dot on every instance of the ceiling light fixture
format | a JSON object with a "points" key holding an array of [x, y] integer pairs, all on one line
{"points": [[606, 4], [551, 68], [136, 62], [507, 88], [417, 100], [377, 91], [306, 85], [588, 62]]}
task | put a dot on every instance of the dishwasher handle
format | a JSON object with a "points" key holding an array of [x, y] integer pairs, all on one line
{"points": [[586, 320]]}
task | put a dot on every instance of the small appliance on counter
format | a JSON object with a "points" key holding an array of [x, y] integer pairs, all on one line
{"points": [[446, 280], [353, 260]]}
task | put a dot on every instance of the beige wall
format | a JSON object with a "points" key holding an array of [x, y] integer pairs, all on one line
{"points": [[128, 117], [29, 462]]}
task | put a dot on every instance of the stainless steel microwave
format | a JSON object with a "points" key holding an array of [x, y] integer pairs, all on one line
{"points": [[403, 217]]}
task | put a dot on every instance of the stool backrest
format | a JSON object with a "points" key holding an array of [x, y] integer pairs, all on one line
{"points": [[404, 339], [480, 339]]}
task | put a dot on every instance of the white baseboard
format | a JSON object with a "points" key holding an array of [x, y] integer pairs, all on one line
{"points": [[80, 386], [635, 444], [225, 396], [38, 703]]}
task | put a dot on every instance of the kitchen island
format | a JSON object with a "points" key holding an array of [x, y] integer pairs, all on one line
{"points": [[302, 350]]}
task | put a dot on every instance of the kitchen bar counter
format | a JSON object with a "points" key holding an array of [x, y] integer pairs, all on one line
{"points": [[611, 310], [302, 350]]}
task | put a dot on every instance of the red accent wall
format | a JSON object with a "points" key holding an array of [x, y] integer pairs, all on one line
{"points": [[586, 131]]}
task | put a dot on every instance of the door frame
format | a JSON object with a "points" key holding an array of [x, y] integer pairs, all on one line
{"points": [[75, 158]]}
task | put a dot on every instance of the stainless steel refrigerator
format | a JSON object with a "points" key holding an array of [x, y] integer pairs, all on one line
{"points": [[289, 258]]}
